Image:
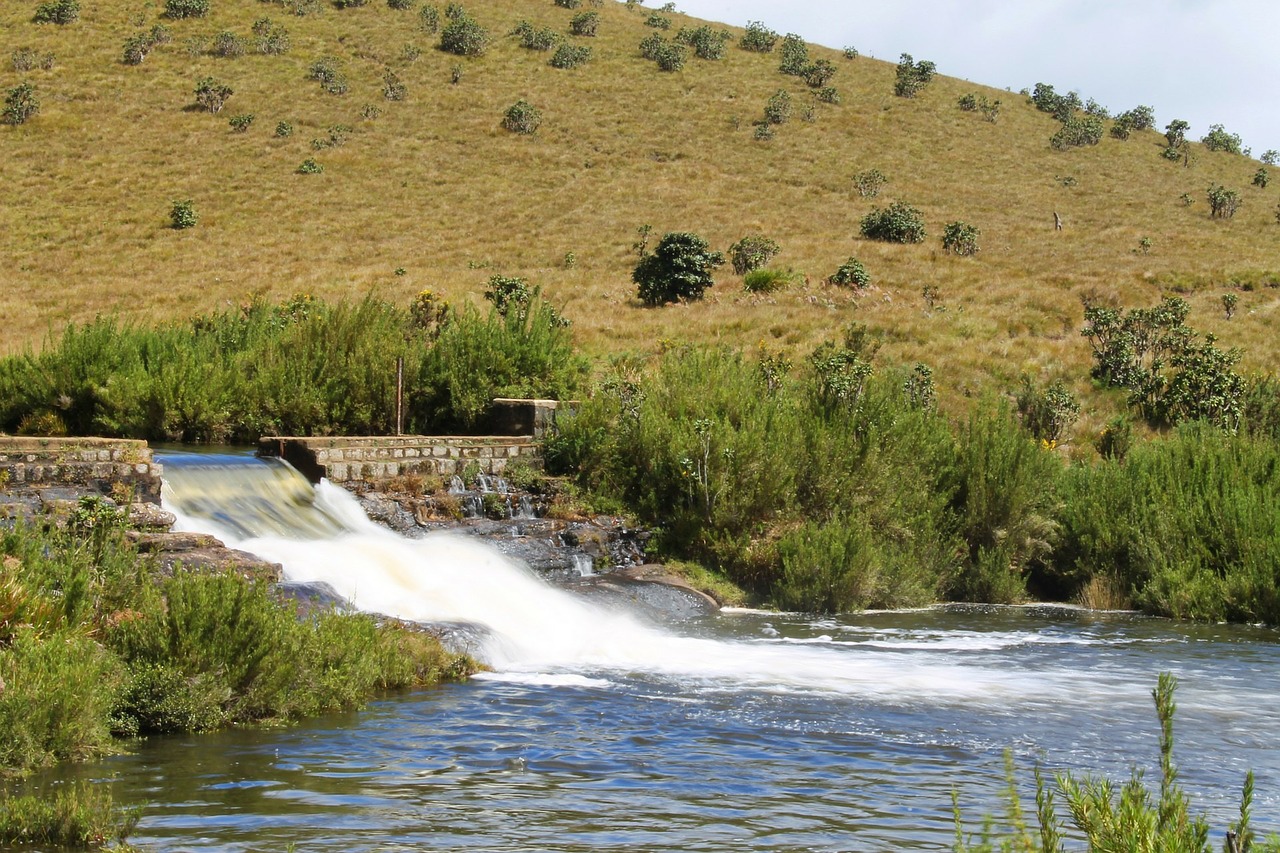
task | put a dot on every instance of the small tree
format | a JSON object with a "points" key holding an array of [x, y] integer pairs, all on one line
{"points": [[795, 55], [212, 95], [1217, 139], [241, 123], [778, 109], [850, 274], [57, 12], [183, 214], [752, 252], [1176, 132], [1223, 203], [522, 117], [20, 104], [960, 238], [1077, 131], [464, 37], [818, 74], [585, 24], [758, 38], [1270, 157], [912, 76], [429, 19], [393, 88], [679, 268], [707, 43], [899, 223], [1261, 178]]}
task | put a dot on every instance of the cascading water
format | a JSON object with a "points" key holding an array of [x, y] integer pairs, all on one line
{"points": [[744, 731]]}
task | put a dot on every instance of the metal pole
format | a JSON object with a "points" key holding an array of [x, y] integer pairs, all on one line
{"points": [[400, 395]]}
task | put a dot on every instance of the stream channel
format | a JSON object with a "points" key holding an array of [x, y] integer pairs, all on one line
{"points": [[744, 730]]}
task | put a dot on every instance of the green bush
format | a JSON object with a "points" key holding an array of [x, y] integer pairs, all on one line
{"points": [[795, 55], [752, 252], [272, 39], [912, 76], [20, 104], [212, 95], [828, 95], [1217, 139], [241, 123], [429, 19], [81, 815], [569, 4], [1077, 131], [668, 55], [327, 71], [818, 74], [183, 214], [227, 45], [657, 21], [1176, 132], [767, 280], [57, 12], [778, 108], [869, 182], [1261, 178], [522, 117], [960, 238], [393, 88], [1047, 413], [585, 24], [463, 36], [899, 223], [25, 59], [570, 56], [850, 274], [707, 43], [1223, 203], [758, 38], [186, 8], [679, 268], [1061, 107], [535, 39]]}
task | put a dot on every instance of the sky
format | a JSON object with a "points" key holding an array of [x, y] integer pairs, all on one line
{"points": [[1203, 61]]}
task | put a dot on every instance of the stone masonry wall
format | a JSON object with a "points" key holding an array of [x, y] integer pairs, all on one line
{"points": [[98, 465], [349, 459]]}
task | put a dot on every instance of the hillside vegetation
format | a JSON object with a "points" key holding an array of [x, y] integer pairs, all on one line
{"points": [[430, 191]]}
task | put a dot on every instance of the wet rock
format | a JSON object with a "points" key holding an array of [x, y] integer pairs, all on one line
{"points": [[147, 516], [314, 597]]}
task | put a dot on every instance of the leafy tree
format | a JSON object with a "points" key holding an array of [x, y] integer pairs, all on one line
{"points": [[212, 95], [1223, 202], [912, 76], [960, 238], [1176, 132], [1217, 139], [20, 104], [795, 55], [758, 38], [679, 268]]}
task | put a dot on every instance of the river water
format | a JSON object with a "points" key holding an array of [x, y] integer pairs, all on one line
{"points": [[741, 731]]}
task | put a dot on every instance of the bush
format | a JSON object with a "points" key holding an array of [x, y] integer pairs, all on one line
{"points": [[1061, 107], [707, 43], [1223, 203], [58, 12], [570, 56], [679, 268], [758, 38], [657, 21], [73, 817], [850, 274], [183, 214], [1270, 157], [828, 95], [1140, 118], [25, 59], [569, 4], [136, 48], [960, 238], [1261, 178], [1048, 413], [272, 39], [20, 104], [767, 280], [819, 73], [227, 45], [241, 123], [1077, 131], [212, 95], [585, 24], [464, 37], [795, 55], [532, 39], [186, 8], [973, 102], [912, 76], [752, 252], [393, 88], [327, 71], [429, 19], [778, 109], [869, 182], [899, 223], [670, 57], [1217, 139], [522, 117], [1176, 132]]}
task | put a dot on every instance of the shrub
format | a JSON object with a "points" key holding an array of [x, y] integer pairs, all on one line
{"points": [[508, 294], [401, 5], [850, 274], [1217, 139], [869, 182], [899, 223], [393, 88], [522, 117], [819, 73], [912, 76], [1079, 130], [1047, 413], [570, 56], [670, 56], [960, 238], [651, 45], [1176, 132], [20, 104], [73, 817], [767, 280], [183, 214], [429, 19], [585, 24], [241, 123], [569, 4], [657, 21], [973, 102], [795, 55], [272, 39], [310, 167], [1061, 107], [1270, 157], [284, 130], [58, 12], [327, 71], [758, 38], [136, 48], [533, 39], [679, 268], [752, 252], [212, 95], [464, 37], [227, 45], [186, 8], [707, 43], [778, 108], [828, 95], [1261, 178], [1223, 203], [763, 132], [25, 59], [1140, 118]]}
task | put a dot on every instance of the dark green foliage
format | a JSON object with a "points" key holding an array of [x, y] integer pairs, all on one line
{"points": [[1270, 157], [679, 268], [1047, 413], [669, 55], [569, 4], [463, 36], [1262, 407], [1176, 132], [327, 71], [81, 815], [898, 223], [1217, 139], [819, 73], [651, 45], [919, 389], [707, 43], [212, 95], [1061, 107], [138, 46], [850, 274], [535, 39], [1116, 439], [509, 294], [828, 95], [57, 12], [349, 4], [869, 182], [401, 5], [183, 214], [767, 280], [186, 8], [1140, 118], [585, 24], [1261, 178], [1077, 131], [763, 132], [272, 39], [20, 104], [778, 108], [522, 117], [570, 56], [960, 238], [658, 21], [912, 76], [795, 55], [429, 19], [227, 45], [1223, 203], [1171, 374], [758, 38], [752, 252], [973, 102], [241, 123]]}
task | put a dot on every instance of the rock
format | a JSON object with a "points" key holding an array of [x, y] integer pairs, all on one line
{"points": [[147, 516], [153, 543]]}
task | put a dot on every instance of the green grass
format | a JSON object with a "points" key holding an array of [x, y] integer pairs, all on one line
{"points": [[78, 816]]}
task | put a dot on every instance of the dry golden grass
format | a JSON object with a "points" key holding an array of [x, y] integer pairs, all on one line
{"points": [[435, 186]]}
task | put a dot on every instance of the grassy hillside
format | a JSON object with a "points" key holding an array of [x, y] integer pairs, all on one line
{"points": [[435, 187]]}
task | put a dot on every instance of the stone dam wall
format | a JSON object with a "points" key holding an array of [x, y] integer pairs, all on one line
{"points": [[103, 466], [344, 460]]}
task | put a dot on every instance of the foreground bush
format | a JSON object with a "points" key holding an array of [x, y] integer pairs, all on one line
{"points": [[679, 268], [82, 815]]}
